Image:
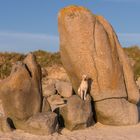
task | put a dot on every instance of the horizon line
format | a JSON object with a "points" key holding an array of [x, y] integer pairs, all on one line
{"points": [[23, 42]]}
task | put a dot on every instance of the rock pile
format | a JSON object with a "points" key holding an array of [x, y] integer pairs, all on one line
{"points": [[26, 105], [56, 91], [21, 96]]}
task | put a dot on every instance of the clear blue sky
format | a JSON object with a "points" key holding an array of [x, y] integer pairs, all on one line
{"points": [[27, 25]]}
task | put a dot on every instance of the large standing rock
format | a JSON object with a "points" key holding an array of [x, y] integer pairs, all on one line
{"points": [[21, 91], [89, 45], [77, 114]]}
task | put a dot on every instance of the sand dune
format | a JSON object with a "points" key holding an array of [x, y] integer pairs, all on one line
{"points": [[96, 132]]}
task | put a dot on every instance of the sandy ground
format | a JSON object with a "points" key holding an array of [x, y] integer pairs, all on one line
{"points": [[96, 132]]}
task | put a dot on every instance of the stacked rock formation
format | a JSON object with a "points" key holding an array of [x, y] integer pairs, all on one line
{"points": [[24, 105], [73, 112], [89, 45], [21, 97]]}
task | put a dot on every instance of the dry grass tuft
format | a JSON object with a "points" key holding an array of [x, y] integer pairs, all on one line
{"points": [[47, 59]]}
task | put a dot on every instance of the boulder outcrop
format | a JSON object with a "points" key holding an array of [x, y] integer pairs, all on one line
{"points": [[116, 112], [89, 45], [77, 113], [21, 92]]}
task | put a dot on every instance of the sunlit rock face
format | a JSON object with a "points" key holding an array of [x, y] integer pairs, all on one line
{"points": [[89, 45], [21, 91]]}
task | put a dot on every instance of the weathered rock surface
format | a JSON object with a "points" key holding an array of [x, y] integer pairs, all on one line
{"points": [[55, 91], [55, 101], [48, 87], [4, 125], [45, 106], [42, 124], [21, 91], [64, 88], [57, 72], [138, 82], [116, 112], [89, 45], [2, 113], [77, 114], [44, 72]]}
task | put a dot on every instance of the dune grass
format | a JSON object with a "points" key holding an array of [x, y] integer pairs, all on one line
{"points": [[44, 59], [134, 54]]}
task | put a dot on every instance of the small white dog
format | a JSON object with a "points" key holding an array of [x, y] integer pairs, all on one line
{"points": [[82, 90]]}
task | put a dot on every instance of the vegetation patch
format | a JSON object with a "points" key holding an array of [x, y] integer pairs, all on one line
{"points": [[134, 54], [46, 59]]}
